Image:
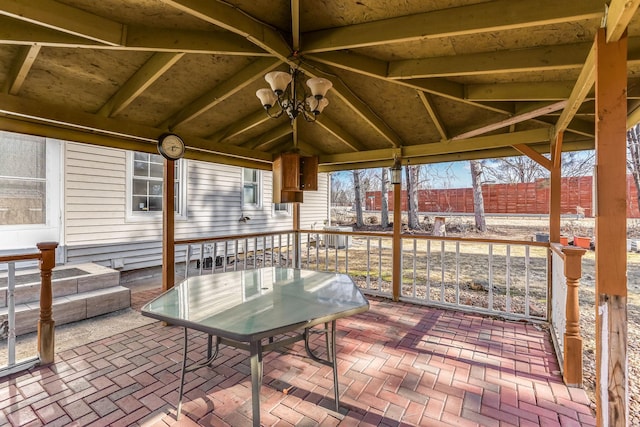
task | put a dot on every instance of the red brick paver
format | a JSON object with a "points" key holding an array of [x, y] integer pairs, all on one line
{"points": [[399, 364]]}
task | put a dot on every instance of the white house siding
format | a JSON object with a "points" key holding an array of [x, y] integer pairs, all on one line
{"points": [[313, 212], [99, 230]]}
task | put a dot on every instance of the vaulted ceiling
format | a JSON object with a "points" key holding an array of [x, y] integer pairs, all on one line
{"points": [[429, 81]]}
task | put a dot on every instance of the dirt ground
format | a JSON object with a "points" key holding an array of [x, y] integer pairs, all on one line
{"points": [[525, 228]]}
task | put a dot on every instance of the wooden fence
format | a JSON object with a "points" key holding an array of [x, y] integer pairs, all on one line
{"points": [[523, 198]]}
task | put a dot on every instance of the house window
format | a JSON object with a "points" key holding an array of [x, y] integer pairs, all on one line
{"points": [[146, 184], [282, 208], [23, 180], [251, 187]]}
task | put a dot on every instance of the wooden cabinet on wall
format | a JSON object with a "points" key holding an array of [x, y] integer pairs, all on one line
{"points": [[293, 174]]}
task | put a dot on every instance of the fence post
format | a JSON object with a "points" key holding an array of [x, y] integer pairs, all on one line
{"points": [[572, 339], [46, 341]]}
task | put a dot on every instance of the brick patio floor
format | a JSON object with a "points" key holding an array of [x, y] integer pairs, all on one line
{"points": [[399, 365]]}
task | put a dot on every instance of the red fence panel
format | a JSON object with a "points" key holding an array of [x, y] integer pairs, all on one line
{"points": [[522, 198]]}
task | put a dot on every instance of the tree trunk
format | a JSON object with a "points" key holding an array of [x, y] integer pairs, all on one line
{"points": [[633, 160], [412, 196], [478, 200], [358, 197], [384, 199]]}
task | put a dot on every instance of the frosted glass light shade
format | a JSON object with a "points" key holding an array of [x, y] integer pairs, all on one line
{"points": [[278, 80], [317, 105], [319, 87], [267, 97]]}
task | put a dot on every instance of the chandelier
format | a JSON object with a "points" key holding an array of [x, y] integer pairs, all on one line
{"points": [[288, 92]]}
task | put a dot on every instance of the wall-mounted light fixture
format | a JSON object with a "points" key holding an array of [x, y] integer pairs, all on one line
{"points": [[396, 171]]}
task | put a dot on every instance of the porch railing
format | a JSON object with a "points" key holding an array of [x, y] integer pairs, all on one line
{"points": [[496, 277], [566, 270], [44, 353], [508, 278]]}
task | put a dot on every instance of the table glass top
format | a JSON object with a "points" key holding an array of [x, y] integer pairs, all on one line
{"points": [[245, 304]]}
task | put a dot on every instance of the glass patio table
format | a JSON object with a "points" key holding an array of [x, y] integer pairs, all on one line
{"points": [[258, 310]]}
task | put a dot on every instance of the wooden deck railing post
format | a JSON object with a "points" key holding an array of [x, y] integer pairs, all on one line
{"points": [[46, 337], [572, 337]]}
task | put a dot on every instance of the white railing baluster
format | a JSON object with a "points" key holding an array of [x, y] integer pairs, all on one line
{"points": [[379, 264], [368, 279], [490, 277], [527, 273], [442, 269], [508, 281], [428, 292], [415, 256], [457, 273], [11, 338]]}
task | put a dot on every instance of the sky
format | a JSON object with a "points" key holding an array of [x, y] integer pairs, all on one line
{"points": [[441, 175]]}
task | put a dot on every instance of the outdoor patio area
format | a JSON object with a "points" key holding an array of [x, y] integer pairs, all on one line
{"points": [[399, 364]]}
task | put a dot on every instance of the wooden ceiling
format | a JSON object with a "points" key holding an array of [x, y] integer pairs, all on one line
{"points": [[430, 81]]}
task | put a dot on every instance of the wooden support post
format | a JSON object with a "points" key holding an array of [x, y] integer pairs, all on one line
{"points": [[397, 242], [555, 194], [610, 232], [168, 226], [46, 323], [572, 338]]}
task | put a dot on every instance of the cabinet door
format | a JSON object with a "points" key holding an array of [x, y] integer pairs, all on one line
{"points": [[290, 171], [309, 173]]}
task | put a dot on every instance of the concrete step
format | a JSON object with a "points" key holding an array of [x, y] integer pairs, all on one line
{"points": [[72, 308], [67, 280]]}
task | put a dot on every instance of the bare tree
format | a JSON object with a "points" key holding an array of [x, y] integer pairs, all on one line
{"points": [[578, 163], [513, 170], [384, 198], [341, 193], [358, 198], [633, 156], [478, 200], [412, 173]]}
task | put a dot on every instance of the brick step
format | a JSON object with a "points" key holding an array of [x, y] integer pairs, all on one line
{"points": [[71, 308]]}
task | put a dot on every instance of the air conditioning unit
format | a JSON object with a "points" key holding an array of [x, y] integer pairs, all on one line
{"points": [[338, 241]]}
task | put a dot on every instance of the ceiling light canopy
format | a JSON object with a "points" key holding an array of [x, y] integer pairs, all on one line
{"points": [[288, 93]]}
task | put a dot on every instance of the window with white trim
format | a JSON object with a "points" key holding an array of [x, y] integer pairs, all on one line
{"points": [[251, 185], [145, 185], [282, 208], [23, 180]]}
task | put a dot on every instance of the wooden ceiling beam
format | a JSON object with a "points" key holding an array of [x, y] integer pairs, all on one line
{"points": [[295, 25], [618, 16], [534, 155], [338, 131], [226, 16], [223, 91], [520, 91], [20, 69], [239, 127], [176, 40], [433, 114], [269, 137], [146, 75], [558, 57], [535, 136], [579, 93], [75, 120], [67, 19], [522, 117], [496, 16], [13, 31], [356, 104]]}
